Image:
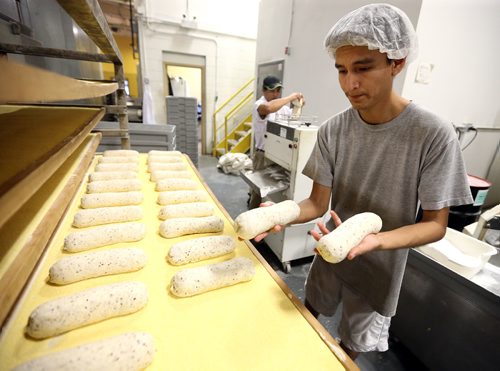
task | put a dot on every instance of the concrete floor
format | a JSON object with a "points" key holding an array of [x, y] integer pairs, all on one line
{"points": [[232, 193]]}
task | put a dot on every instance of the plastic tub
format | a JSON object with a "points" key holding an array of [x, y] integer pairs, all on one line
{"points": [[462, 254]]}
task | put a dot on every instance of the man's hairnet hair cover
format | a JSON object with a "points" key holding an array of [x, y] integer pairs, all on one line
{"points": [[377, 26]]}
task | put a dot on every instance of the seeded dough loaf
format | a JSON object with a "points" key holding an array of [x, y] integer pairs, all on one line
{"points": [[115, 185], [256, 221], [96, 264], [181, 197], [111, 175], [192, 209], [164, 159], [94, 200], [334, 246], [104, 235], [157, 175], [117, 167], [176, 184], [201, 248], [121, 152], [155, 152], [175, 166], [181, 226], [194, 281], [118, 160], [131, 351], [83, 308], [106, 215]]}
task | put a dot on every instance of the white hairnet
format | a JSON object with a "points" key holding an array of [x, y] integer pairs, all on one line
{"points": [[380, 27]]}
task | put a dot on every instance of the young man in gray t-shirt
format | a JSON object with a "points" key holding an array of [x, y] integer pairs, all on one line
{"points": [[385, 155]]}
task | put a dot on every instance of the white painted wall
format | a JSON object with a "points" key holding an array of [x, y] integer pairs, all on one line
{"points": [[460, 38], [225, 35]]}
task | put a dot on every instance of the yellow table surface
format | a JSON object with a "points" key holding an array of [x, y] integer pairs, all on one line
{"points": [[248, 326]]}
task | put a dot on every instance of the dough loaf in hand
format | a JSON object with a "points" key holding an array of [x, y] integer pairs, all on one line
{"points": [[181, 226], [96, 264], [132, 351], [83, 308], [194, 281], [334, 246], [201, 248], [256, 221]]}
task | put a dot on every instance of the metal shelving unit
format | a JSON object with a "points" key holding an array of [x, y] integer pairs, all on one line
{"points": [[89, 16]]}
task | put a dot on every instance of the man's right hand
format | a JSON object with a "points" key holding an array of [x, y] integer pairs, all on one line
{"points": [[275, 229]]}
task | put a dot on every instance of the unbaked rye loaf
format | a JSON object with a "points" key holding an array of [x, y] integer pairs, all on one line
{"points": [[157, 175], [256, 221], [182, 226], [154, 166], [194, 281], [96, 264], [131, 351], [164, 159], [117, 167], [114, 185], [106, 215], [104, 235], [111, 175], [155, 152], [181, 197], [201, 248], [86, 307], [334, 246], [94, 200], [121, 152], [191, 209], [118, 159], [176, 184]]}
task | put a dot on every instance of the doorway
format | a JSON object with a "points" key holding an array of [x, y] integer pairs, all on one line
{"points": [[188, 80]]}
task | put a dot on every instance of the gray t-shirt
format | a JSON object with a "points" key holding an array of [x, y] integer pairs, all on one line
{"points": [[386, 169]]}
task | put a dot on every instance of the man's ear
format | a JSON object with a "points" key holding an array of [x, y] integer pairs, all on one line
{"points": [[398, 65]]}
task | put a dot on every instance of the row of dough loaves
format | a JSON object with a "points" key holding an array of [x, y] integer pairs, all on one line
{"points": [[112, 198]]}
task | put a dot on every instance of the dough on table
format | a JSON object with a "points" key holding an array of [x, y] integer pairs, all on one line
{"points": [[127, 351], [90, 238], [86, 307], [194, 281], [200, 248], [176, 227], [83, 266], [94, 200]]}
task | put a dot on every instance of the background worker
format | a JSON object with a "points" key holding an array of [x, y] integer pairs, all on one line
{"points": [[384, 154], [268, 107]]}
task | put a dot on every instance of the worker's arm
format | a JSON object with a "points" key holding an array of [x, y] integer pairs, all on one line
{"points": [[431, 228], [272, 106], [311, 208]]}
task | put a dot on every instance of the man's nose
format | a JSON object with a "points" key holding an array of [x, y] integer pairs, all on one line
{"points": [[352, 81]]}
